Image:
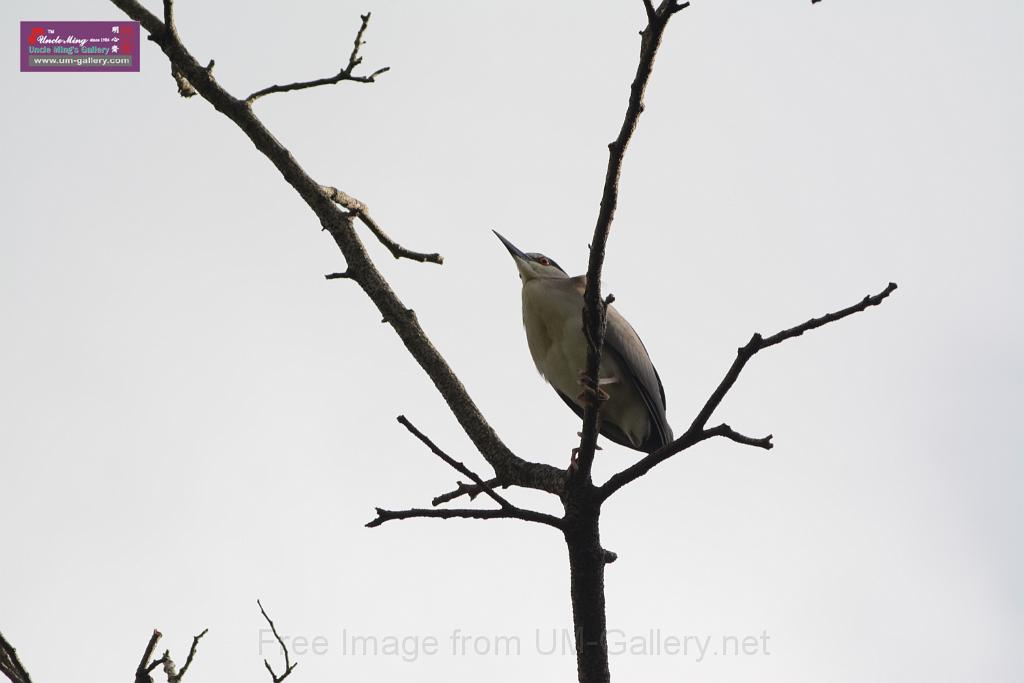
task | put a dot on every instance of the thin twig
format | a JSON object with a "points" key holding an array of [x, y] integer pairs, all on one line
{"points": [[450, 513], [288, 665], [362, 212], [471, 490], [345, 74], [506, 511], [191, 656], [460, 467], [697, 432], [728, 432], [155, 663]]}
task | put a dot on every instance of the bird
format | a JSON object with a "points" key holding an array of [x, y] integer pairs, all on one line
{"points": [[633, 410]]}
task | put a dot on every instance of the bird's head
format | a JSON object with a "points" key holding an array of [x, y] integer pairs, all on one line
{"points": [[532, 265]]}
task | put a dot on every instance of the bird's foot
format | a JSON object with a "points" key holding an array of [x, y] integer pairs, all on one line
{"points": [[591, 394]]}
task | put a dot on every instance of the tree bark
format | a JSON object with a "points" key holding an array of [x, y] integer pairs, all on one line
{"points": [[586, 567]]}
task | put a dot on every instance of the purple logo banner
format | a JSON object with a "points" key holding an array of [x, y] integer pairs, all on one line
{"points": [[80, 46]]}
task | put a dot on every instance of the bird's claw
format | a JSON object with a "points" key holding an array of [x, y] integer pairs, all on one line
{"points": [[590, 396], [592, 393]]}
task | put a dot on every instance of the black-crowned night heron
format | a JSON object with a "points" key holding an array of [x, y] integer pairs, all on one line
{"points": [[634, 413]]}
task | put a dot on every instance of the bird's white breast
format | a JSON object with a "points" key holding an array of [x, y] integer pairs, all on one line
{"points": [[553, 318]]}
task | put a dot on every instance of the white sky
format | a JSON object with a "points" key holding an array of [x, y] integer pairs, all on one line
{"points": [[192, 418]]}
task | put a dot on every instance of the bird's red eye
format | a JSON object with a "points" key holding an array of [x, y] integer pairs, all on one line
{"points": [[543, 261]]}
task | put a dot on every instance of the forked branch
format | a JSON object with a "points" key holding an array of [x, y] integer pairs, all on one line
{"points": [[345, 74], [506, 510], [362, 212], [458, 466], [697, 431], [188, 661], [143, 673], [289, 665]]}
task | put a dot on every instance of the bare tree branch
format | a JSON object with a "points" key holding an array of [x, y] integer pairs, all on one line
{"points": [[144, 668], [757, 343], [507, 510], [10, 665], [460, 467], [594, 308], [154, 664], [289, 666], [451, 513], [361, 268], [696, 432], [471, 490], [191, 655], [345, 74], [360, 211], [728, 432], [169, 17]]}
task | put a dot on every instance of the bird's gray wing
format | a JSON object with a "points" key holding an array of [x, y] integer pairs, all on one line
{"points": [[624, 343]]}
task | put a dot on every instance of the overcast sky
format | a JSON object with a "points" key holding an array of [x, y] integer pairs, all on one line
{"points": [[191, 418]]}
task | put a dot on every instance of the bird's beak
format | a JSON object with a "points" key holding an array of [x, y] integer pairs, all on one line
{"points": [[512, 249]]}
